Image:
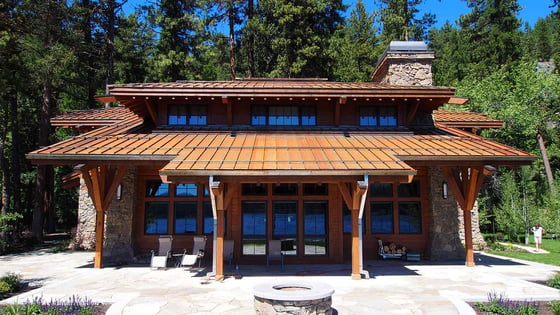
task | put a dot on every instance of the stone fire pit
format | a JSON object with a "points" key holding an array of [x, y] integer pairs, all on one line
{"points": [[293, 297]]}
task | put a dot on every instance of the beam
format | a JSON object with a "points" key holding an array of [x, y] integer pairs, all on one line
{"points": [[152, 111]]}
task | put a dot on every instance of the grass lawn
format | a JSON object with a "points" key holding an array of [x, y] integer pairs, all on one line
{"points": [[553, 246]]}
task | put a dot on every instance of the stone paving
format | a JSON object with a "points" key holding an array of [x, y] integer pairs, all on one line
{"points": [[395, 287]]}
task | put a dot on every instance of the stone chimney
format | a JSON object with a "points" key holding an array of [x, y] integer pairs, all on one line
{"points": [[405, 63]]}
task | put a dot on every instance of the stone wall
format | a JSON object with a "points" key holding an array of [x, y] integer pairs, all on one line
{"points": [[447, 230], [119, 222], [409, 69]]}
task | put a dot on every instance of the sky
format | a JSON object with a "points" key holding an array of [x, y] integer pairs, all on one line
{"points": [[445, 10]]}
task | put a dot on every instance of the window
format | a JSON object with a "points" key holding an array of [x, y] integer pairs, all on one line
{"points": [[185, 217], [409, 190], [285, 189], [155, 188], [315, 227], [381, 217], [254, 227], [382, 190], [346, 219], [254, 189], [410, 218], [284, 222], [186, 190], [156, 218], [396, 208], [187, 115], [179, 204], [378, 116], [315, 189], [262, 115]]}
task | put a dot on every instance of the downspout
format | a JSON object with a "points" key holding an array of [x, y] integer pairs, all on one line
{"points": [[360, 229], [215, 234]]}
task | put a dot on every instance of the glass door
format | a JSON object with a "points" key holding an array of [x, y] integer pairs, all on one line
{"points": [[315, 227], [254, 227]]}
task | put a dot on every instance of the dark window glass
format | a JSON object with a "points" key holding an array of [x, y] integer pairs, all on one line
{"points": [[283, 116], [409, 190], [346, 219], [368, 116], [177, 115], [315, 227], [381, 190], [381, 217], [185, 217], [284, 218], [410, 217], [315, 189], [186, 190], [254, 189], [208, 218], [378, 116], [308, 116], [258, 116], [198, 115], [285, 189], [155, 188], [156, 218], [254, 228], [183, 115], [387, 116]]}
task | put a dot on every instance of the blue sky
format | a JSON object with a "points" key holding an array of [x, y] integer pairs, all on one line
{"points": [[443, 9]]}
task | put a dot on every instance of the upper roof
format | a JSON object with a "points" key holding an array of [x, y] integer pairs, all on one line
{"points": [[93, 117]]}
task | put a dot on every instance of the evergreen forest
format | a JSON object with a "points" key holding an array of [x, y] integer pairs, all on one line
{"points": [[57, 55]]}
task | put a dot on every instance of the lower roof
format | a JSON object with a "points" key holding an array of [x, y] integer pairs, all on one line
{"points": [[276, 153]]}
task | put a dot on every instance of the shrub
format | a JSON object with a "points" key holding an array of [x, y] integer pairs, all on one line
{"points": [[9, 284], [73, 306], [554, 307], [554, 282], [501, 305]]}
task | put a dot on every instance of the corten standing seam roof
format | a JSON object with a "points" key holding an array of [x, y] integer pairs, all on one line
{"points": [[273, 153], [93, 117], [459, 119]]}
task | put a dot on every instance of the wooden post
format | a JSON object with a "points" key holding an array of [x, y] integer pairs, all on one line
{"points": [[102, 182], [465, 183], [352, 198]]}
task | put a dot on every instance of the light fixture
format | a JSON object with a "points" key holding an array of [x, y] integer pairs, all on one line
{"points": [[444, 190], [119, 192]]}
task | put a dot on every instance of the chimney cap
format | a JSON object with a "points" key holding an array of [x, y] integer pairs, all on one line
{"points": [[398, 45]]}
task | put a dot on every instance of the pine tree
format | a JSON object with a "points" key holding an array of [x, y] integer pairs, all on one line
{"points": [[399, 21]]}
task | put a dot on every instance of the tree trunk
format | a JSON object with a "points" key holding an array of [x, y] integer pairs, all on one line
{"points": [[231, 41], [16, 155], [546, 163], [110, 43], [251, 39]]}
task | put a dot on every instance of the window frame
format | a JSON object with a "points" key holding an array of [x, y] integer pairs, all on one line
{"points": [[190, 111], [374, 118], [267, 115]]}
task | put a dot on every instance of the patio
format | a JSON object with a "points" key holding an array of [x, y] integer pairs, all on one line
{"points": [[395, 287]]}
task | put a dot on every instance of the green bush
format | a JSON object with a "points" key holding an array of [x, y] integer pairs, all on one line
{"points": [[9, 284], [554, 282], [554, 307]]}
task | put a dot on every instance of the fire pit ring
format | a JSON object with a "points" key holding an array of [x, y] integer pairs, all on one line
{"points": [[293, 297]]}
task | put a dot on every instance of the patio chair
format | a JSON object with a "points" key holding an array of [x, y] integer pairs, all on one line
{"points": [[164, 252], [228, 251], [197, 253], [275, 252]]}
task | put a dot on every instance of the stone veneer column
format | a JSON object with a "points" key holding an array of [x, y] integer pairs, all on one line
{"points": [[405, 64], [119, 219], [447, 230]]}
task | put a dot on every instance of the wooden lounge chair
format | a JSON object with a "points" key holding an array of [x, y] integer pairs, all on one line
{"points": [[275, 252], [197, 253], [164, 252]]}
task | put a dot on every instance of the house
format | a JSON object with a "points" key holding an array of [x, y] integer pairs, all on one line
{"points": [[327, 167]]}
